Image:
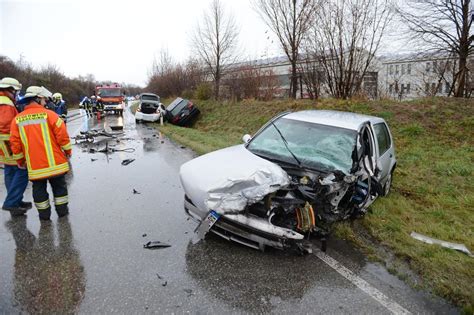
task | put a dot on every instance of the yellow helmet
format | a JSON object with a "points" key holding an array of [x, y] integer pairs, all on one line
{"points": [[57, 96], [10, 83]]}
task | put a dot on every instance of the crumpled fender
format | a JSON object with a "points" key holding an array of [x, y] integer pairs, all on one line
{"points": [[228, 180]]}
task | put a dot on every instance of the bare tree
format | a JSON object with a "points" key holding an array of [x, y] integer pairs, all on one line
{"points": [[215, 41], [163, 64], [443, 26], [290, 20], [344, 38]]}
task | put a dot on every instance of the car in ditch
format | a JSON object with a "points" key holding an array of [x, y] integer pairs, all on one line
{"points": [[149, 108], [182, 112], [300, 173]]}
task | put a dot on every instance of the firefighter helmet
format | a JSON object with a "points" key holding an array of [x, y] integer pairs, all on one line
{"points": [[10, 83], [57, 96], [37, 91]]}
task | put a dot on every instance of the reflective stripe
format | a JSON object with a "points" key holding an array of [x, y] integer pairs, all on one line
{"points": [[5, 100], [19, 156], [48, 172], [6, 157], [61, 200], [43, 205], [67, 146], [4, 136], [24, 140], [59, 122], [47, 144], [31, 122]]}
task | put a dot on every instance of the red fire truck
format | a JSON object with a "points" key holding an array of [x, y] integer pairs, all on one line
{"points": [[112, 97]]}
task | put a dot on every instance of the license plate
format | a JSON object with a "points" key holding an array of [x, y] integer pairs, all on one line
{"points": [[212, 218]]}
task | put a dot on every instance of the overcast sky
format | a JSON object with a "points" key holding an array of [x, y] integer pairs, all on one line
{"points": [[117, 40], [114, 39]]}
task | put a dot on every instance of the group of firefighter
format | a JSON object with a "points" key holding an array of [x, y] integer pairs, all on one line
{"points": [[93, 105], [34, 146]]}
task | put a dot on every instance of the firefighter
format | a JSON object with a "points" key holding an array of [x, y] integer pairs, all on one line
{"points": [[60, 107], [16, 179], [39, 141], [92, 105]]}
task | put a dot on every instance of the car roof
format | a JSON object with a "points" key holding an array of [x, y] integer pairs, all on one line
{"points": [[150, 94], [334, 118]]}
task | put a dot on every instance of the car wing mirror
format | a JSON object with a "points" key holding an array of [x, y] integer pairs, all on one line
{"points": [[246, 138]]}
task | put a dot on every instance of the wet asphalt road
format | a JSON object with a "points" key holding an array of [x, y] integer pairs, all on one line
{"points": [[94, 260]]}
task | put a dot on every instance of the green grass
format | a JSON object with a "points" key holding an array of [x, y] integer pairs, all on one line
{"points": [[433, 190]]}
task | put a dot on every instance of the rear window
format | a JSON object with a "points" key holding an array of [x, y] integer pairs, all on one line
{"points": [[182, 104], [150, 98]]}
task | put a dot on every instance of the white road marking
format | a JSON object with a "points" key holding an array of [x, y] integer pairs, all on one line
{"points": [[390, 305]]}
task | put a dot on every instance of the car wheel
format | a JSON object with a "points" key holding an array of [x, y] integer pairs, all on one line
{"points": [[388, 184]]}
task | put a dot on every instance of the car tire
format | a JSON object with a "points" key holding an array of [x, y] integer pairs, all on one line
{"points": [[388, 184]]}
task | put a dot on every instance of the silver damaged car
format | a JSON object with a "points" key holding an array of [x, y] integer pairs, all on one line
{"points": [[300, 173]]}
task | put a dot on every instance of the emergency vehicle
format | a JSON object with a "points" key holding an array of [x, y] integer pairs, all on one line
{"points": [[111, 96]]}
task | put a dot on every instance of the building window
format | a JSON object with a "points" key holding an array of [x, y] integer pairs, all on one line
{"points": [[447, 87], [390, 88], [435, 66], [440, 87], [397, 70], [409, 68], [391, 69], [427, 88], [428, 66], [408, 88], [403, 69]]}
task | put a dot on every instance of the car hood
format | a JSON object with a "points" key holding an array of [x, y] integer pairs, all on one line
{"points": [[228, 180]]}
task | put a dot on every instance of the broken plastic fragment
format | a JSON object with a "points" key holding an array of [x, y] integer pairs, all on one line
{"points": [[136, 192], [155, 245], [127, 161], [429, 240]]}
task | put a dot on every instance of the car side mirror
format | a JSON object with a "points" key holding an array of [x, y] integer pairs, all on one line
{"points": [[246, 138]]}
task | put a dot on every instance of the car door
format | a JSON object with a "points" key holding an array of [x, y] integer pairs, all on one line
{"points": [[385, 148]]}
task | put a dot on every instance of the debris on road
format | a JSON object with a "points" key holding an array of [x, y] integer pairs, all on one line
{"points": [[117, 127], [136, 192], [127, 161], [144, 235], [429, 240], [164, 283], [155, 245]]}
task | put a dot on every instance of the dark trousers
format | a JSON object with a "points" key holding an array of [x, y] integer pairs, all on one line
{"points": [[16, 180], [41, 197]]}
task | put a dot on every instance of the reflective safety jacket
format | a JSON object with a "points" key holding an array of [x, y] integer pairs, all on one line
{"points": [[40, 137], [7, 114]]}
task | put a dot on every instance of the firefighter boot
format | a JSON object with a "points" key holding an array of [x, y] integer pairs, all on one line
{"points": [[62, 210]]}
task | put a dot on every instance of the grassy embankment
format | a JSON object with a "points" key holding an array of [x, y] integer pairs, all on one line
{"points": [[433, 190]]}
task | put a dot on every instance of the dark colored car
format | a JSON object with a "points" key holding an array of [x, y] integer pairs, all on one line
{"points": [[182, 112]]}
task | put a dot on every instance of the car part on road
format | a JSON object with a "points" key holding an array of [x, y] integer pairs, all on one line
{"points": [[156, 245], [429, 240], [136, 192], [127, 161], [117, 127]]}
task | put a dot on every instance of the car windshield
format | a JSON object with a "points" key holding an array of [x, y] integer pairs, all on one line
{"points": [[109, 92], [318, 147], [150, 98], [179, 107]]}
